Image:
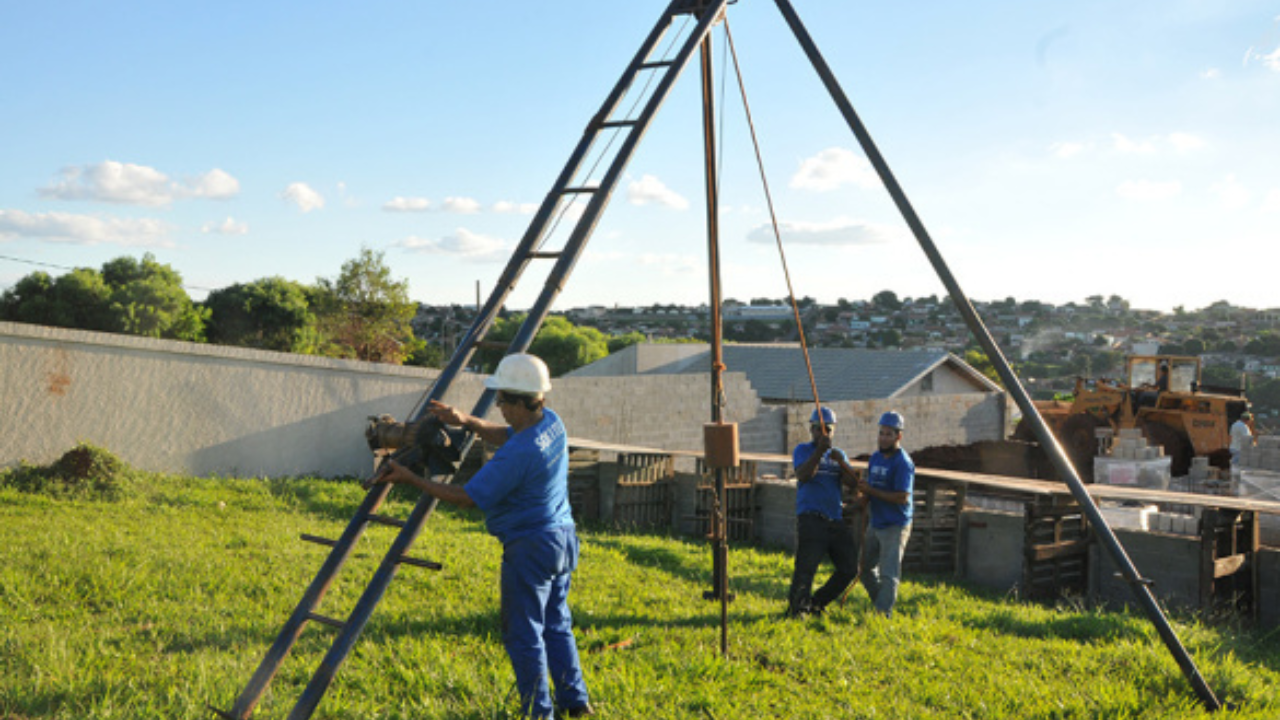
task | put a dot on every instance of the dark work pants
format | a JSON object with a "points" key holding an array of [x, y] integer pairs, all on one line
{"points": [[818, 538]]}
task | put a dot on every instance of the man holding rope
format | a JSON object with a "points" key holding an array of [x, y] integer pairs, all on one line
{"points": [[821, 473], [887, 486]]}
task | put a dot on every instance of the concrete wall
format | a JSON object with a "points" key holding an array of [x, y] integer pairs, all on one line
{"points": [[992, 548], [931, 420], [946, 380], [1171, 561], [208, 410], [183, 407]]}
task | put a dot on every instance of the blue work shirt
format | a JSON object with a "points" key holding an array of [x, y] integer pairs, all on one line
{"points": [[524, 488], [821, 493], [891, 473]]}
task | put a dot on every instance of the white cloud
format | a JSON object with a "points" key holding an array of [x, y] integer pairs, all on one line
{"points": [[1185, 142], [463, 243], [215, 185], [841, 231], [84, 229], [1148, 190], [303, 196], [1066, 149], [461, 205], [670, 264], [1271, 203], [1211, 74], [114, 182], [226, 227], [833, 168], [129, 184], [1124, 144], [404, 204], [503, 207], [1271, 59], [649, 190], [1232, 193]]}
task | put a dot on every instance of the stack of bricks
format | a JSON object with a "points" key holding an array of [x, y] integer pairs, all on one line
{"points": [[1259, 478], [1130, 444], [1263, 456], [1132, 461]]}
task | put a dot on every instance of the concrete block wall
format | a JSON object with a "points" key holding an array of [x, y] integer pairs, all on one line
{"points": [[931, 420], [666, 411], [191, 408], [776, 518], [1171, 561], [213, 410], [992, 548]]}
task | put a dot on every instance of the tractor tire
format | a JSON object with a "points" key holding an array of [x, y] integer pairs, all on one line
{"points": [[1022, 431], [1079, 438], [1176, 444]]}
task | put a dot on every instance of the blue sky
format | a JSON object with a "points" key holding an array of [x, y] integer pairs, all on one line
{"points": [[1054, 150]]}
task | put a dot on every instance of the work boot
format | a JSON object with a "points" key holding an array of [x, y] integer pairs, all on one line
{"points": [[583, 711]]}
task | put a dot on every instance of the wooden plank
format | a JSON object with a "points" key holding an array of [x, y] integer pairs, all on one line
{"points": [[1229, 565], [1023, 486], [1041, 553]]}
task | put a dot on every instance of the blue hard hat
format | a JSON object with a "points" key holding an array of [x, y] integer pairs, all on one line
{"points": [[892, 420], [828, 416]]}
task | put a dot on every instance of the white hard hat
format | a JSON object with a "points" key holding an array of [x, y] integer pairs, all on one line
{"points": [[520, 373]]}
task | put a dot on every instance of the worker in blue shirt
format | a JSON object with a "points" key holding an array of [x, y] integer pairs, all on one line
{"points": [[821, 473], [887, 486], [523, 491]]}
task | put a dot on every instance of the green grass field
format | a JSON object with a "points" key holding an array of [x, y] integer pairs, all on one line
{"points": [[164, 598]]}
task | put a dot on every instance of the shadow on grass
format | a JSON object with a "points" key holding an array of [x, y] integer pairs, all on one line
{"points": [[486, 623], [1084, 628], [697, 571]]}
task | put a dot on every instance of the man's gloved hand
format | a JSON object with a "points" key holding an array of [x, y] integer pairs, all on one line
{"points": [[823, 443]]}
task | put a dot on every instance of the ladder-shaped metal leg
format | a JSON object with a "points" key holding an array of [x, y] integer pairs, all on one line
{"points": [[628, 127]]}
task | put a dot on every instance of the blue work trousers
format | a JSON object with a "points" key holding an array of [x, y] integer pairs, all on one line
{"points": [[882, 564], [537, 628]]}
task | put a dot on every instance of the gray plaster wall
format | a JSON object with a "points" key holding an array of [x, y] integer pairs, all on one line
{"points": [[207, 409], [992, 548], [1172, 562], [213, 410], [183, 407], [930, 420]]}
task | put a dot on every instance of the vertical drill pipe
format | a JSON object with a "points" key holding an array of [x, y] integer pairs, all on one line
{"points": [[1056, 455], [721, 556]]}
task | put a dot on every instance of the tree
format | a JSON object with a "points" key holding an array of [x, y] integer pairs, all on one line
{"points": [[886, 300], [429, 355], [562, 345], [979, 361], [888, 338], [619, 342], [147, 298], [364, 314], [1267, 344], [138, 297], [79, 299], [1219, 375], [269, 314]]}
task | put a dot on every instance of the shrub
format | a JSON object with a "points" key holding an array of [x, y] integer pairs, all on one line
{"points": [[84, 471]]}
